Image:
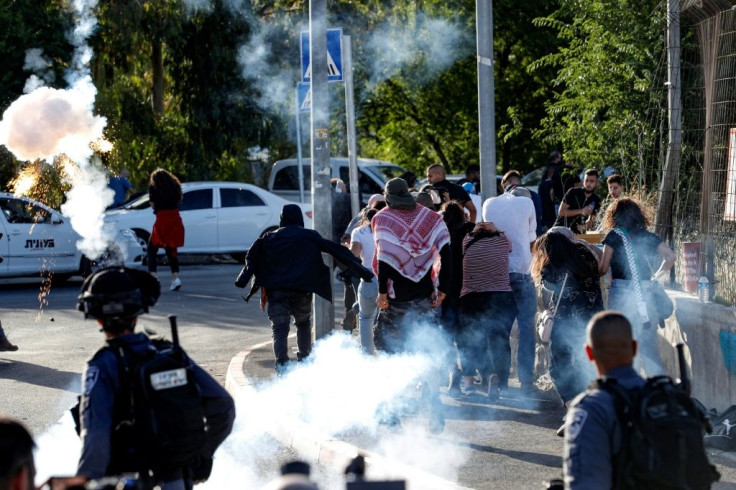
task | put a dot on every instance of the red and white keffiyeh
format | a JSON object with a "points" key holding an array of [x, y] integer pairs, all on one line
{"points": [[408, 240]]}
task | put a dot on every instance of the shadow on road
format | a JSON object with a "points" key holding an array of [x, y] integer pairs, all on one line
{"points": [[25, 372]]}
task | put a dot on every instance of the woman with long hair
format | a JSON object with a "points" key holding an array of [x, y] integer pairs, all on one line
{"points": [[363, 246], [637, 258], [454, 217], [487, 309], [568, 273], [164, 194]]}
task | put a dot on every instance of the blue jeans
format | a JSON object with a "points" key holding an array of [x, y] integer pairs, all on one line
{"points": [[526, 304], [621, 297], [367, 294]]}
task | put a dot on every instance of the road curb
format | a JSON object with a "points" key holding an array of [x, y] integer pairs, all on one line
{"points": [[328, 451]]}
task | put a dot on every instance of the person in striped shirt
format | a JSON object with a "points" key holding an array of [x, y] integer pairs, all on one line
{"points": [[487, 308]]}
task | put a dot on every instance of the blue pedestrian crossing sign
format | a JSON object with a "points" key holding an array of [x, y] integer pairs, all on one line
{"points": [[304, 91], [334, 56]]}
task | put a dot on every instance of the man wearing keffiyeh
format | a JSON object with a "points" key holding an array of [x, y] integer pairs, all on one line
{"points": [[409, 241]]}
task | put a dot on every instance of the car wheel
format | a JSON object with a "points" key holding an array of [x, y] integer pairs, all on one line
{"points": [[143, 237]]}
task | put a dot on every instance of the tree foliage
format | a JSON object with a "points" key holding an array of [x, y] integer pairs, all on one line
{"points": [[601, 111]]}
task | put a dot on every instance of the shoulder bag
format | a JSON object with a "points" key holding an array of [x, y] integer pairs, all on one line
{"points": [[546, 320]]}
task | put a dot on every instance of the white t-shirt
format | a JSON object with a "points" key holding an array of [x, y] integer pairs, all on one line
{"points": [[364, 236], [515, 216]]}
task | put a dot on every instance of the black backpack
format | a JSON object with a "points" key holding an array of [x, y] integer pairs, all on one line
{"points": [[160, 426], [662, 444]]}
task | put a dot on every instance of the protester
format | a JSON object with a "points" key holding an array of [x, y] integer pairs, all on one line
{"points": [[567, 271], [121, 186], [580, 205], [363, 246], [487, 309], [408, 240], [410, 178], [470, 188], [17, 470], [115, 436], [164, 194], [472, 175], [437, 177], [638, 259], [341, 218], [547, 197], [615, 186], [593, 434], [513, 213], [512, 180], [454, 217], [287, 266]]}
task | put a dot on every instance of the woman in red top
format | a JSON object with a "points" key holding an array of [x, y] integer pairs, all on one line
{"points": [[164, 194]]}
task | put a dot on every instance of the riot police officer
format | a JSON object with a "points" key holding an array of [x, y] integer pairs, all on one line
{"points": [[115, 296], [593, 433]]}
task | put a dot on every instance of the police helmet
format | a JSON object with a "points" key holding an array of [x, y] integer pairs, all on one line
{"points": [[118, 293]]}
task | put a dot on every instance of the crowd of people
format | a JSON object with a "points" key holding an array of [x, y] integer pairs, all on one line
{"points": [[429, 257]]}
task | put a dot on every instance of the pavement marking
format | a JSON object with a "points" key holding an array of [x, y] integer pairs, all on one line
{"points": [[207, 296]]}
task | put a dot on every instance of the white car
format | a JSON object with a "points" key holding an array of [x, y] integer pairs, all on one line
{"points": [[37, 240], [219, 217]]}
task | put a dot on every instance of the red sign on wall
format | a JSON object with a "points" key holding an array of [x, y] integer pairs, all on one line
{"points": [[690, 261]]}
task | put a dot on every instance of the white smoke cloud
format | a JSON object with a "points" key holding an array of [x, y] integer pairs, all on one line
{"points": [[49, 122], [40, 66], [438, 42]]}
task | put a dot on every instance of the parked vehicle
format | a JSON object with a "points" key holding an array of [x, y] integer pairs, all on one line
{"points": [[372, 176], [35, 239], [219, 217]]}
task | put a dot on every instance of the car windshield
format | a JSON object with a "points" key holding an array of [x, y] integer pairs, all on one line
{"points": [[139, 203], [386, 172]]}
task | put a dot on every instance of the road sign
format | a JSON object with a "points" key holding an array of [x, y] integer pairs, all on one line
{"points": [[305, 96], [334, 56]]}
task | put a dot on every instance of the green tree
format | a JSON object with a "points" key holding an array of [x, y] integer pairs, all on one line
{"points": [[601, 110]]}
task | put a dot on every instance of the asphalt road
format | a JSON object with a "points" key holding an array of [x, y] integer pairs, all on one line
{"points": [[507, 444]]}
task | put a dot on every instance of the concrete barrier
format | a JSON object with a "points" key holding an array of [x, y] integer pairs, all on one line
{"points": [[709, 334]]}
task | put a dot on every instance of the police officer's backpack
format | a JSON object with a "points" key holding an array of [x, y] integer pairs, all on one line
{"points": [[160, 426], [662, 445]]}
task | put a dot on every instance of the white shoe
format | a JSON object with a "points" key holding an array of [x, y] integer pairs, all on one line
{"points": [[175, 284]]}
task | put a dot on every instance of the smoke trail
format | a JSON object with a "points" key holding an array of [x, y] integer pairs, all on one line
{"points": [[436, 43], [39, 65]]}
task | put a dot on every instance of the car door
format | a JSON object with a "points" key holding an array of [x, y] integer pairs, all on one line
{"points": [[243, 215], [38, 240], [200, 221], [4, 245]]}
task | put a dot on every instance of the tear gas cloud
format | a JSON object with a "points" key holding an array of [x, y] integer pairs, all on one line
{"points": [[39, 65], [46, 123], [336, 392]]}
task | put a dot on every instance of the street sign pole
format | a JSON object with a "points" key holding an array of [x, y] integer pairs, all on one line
{"points": [[298, 116], [323, 320], [486, 95], [347, 66]]}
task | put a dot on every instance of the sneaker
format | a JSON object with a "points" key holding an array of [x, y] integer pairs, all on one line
{"points": [[494, 387], [6, 346], [561, 431], [175, 285]]}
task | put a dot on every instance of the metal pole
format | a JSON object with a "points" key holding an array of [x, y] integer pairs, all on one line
{"points": [[298, 116], [663, 219], [486, 96], [323, 320], [347, 69]]}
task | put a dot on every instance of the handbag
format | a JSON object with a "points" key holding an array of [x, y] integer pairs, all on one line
{"points": [[546, 321]]}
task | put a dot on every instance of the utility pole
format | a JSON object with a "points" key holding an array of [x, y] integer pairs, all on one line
{"points": [[663, 218], [323, 320], [486, 97], [347, 68]]}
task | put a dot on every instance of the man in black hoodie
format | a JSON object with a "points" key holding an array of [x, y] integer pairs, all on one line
{"points": [[287, 266]]}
